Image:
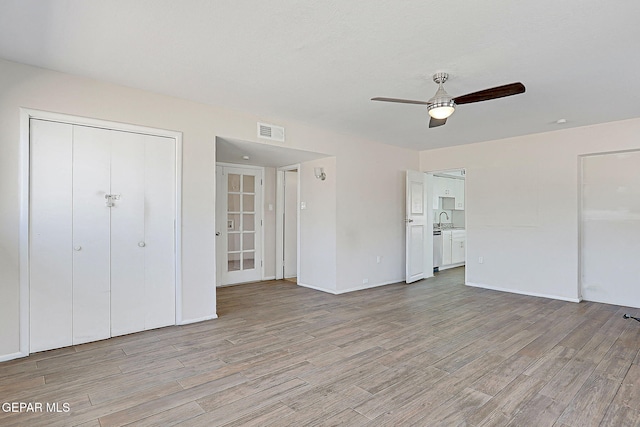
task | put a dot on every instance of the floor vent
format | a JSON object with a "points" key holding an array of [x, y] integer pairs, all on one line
{"points": [[275, 133]]}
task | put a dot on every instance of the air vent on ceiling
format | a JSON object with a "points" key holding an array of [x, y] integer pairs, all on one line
{"points": [[275, 133]]}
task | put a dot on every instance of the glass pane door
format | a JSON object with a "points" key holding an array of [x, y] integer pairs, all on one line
{"points": [[241, 222]]}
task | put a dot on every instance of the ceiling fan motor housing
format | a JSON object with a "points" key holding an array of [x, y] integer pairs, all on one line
{"points": [[441, 105]]}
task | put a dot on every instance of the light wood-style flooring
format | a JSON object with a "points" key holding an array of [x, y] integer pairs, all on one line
{"points": [[431, 353]]}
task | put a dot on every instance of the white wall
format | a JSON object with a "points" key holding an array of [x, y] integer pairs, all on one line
{"points": [[318, 226], [364, 185], [521, 205], [371, 213]]}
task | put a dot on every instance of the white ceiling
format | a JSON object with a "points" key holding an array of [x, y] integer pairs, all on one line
{"points": [[320, 62], [230, 150]]}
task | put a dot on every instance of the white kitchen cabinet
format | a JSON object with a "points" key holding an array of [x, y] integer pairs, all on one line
{"points": [[453, 248], [451, 188], [458, 238], [441, 188], [459, 194]]}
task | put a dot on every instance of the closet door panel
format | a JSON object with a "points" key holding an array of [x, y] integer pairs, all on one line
{"points": [[160, 163], [50, 255], [127, 234], [91, 235]]}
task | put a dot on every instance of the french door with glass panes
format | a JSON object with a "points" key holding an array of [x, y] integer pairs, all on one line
{"points": [[239, 224]]}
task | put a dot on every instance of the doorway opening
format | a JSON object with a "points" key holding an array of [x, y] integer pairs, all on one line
{"points": [[449, 218], [275, 162], [287, 223]]}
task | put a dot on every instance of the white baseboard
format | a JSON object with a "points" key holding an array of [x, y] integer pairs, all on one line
{"points": [[515, 291], [357, 288], [201, 319], [446, 267], [329, 291], [269, 278], [11, 356], [368, 286]]}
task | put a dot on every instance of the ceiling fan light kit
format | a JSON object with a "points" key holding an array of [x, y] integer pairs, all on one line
{"points": [[442, 105]]}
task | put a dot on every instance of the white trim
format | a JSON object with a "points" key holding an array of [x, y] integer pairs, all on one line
{"points": [[446, 267], [24, 303], [221, 278], [25, 115], [269, 278], [514, 291], [279, 224], [580, 191], [316, 288], [11, 356], [377, 285], [239, 166], [199, 319], [354, 289]]}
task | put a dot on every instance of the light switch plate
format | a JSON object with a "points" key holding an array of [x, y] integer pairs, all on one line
{"points": [[303, 205]]}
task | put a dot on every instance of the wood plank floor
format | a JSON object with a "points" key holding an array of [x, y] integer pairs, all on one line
{"points": [[432, 353]]}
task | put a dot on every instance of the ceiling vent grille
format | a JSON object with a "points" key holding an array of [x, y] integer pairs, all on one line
{"points": [[275, 133]]}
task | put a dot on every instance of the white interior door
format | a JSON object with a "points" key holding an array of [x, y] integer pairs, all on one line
{"points": [[610, 241], [50, 286], [91, 234], [239, 224], [290, 225], [419, 228]]}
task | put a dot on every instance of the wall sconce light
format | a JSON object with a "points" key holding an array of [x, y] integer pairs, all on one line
{"points": [[319, 173]]}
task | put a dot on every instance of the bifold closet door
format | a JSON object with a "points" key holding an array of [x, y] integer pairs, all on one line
{"points": [[102, 227], [142, 221], [159, 222], [50, 287], [91, 234]]}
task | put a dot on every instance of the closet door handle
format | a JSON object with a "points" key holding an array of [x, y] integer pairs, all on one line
{"points": [[142, 244], [77, 248]]}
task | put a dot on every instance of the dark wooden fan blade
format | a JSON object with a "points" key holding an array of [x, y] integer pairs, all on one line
{"points": [[403, 101], [493, 93], [434, 123]]}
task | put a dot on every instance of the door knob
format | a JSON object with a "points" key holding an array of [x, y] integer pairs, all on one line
{"points": [[408, 220], [217, 233], [77, 248], [142, 244]]}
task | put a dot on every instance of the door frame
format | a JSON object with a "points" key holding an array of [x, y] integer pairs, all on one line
{"points": [[26, 114], [280, 220], [242, 166]]}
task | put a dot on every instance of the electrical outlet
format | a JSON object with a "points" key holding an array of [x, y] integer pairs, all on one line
{"points": [[378, 259], [480, 260], [365, 281]]}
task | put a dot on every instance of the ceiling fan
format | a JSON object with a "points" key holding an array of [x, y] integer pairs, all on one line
{"points": [[442, 105]]}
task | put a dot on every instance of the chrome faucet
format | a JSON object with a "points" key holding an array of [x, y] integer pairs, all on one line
{"points": [[440, 218]]}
